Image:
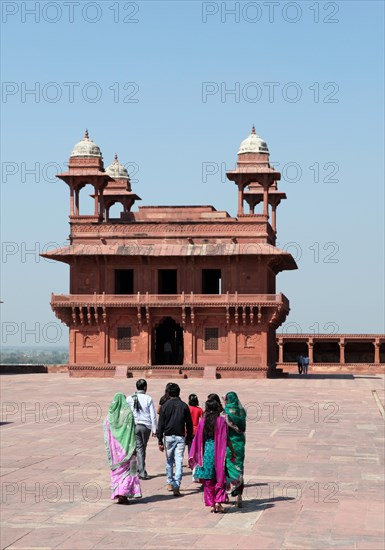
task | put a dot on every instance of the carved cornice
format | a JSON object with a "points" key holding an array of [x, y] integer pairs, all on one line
{"points": [[92, 367], [174, 229]]}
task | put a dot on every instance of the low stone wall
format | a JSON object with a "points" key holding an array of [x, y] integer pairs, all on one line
{"points": [[345, 368], [31, 369]]}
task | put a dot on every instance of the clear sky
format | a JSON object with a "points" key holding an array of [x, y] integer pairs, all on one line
{"points": [[172, 86]]}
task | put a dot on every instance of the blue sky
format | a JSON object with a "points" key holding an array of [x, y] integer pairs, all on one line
{"points": [[152, 81]]}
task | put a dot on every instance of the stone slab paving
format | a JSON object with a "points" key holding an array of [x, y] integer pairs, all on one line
{"points": [[314, 468]]}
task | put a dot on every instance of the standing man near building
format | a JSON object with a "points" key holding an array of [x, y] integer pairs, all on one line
{"points": [[305, 364], [175, 425], [143, 408], [300, 363]]}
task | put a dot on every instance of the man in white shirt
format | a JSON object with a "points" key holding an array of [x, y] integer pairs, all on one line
{"points": [[143, 408]]}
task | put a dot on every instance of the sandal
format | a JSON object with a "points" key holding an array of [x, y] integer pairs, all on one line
{"points": [[219, 508]]}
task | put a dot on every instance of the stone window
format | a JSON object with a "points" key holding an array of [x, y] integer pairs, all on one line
{"points": [[124, 339], [211, 281], [211, 339], [167, 281], [124, 281]]}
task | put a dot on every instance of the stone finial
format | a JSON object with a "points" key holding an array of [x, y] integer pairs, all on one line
{"points": [[86, 136], [116, 157], [253, 130]]}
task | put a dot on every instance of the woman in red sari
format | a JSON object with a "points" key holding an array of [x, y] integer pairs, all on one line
{"points": [[196, 414]]}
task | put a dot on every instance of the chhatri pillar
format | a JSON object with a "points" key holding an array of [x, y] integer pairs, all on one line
{"points": [[256, 179], [86, 166], [118, 190]]}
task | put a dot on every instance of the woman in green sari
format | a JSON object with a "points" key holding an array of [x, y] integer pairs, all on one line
{"points": [[236, 422], [120, 441]]}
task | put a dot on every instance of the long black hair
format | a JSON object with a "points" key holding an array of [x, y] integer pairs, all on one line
{"points": [[216, 398], [166, 395], [212, 411]]}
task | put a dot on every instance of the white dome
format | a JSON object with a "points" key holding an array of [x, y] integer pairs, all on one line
{"points": [[117, 170], [253, 144], [86, 148]]}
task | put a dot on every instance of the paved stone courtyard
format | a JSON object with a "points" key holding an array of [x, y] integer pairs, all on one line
{"points": [[314, 468]]}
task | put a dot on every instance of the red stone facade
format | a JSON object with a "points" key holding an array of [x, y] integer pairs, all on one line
{"points": [[172, 290]]}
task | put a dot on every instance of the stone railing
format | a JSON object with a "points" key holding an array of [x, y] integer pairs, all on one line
{"points": [[176, 300]]}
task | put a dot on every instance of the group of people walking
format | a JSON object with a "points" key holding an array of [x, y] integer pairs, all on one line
{"points": [[215, 438]]}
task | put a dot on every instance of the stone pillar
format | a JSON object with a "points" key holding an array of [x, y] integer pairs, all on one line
{"points": [[377, 350], [187, 347], [232, 339], [101, 201], [310, 347], [149, 342], [265, 202], [193, 345], [105, 343], [264, 348], [72, 204], [240, 199], [96, 202], [72, 351], [274, 217], [280, 352], [236, 333], [77, 201], [342, 351]]}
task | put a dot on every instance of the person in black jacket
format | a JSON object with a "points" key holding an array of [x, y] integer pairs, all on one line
{"points": [[175, 426]]}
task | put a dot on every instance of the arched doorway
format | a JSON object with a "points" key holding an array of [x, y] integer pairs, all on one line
{"points": [[168, 343]]}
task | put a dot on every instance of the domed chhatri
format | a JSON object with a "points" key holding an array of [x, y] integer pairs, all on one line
{"points": [[253, 144], [86, 148], [116, 170]]}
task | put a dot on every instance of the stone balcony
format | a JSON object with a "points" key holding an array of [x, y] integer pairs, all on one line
{"points": [[90, 308]]}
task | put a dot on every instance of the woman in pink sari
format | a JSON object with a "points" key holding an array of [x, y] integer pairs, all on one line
{"points": [[208, 455], [120, 441]]}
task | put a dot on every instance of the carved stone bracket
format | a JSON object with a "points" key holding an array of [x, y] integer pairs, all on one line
{"points": [[244, 316]]}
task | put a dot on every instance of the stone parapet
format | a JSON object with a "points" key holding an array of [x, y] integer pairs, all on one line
{"points": [[348, 368]]}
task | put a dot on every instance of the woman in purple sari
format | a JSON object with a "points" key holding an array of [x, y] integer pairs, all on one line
{"points": [[208, 455], [120, 441]]}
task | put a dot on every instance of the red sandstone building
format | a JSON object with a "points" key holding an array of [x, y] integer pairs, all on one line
{"points": [[177, 290], [172, 287]]}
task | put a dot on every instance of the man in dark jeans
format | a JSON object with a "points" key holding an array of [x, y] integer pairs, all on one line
{"points": [[175, 426], [300, 363]]}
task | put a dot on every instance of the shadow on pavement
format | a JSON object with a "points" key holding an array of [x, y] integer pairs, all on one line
{"points": [[170, 496], [255, 504]]}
